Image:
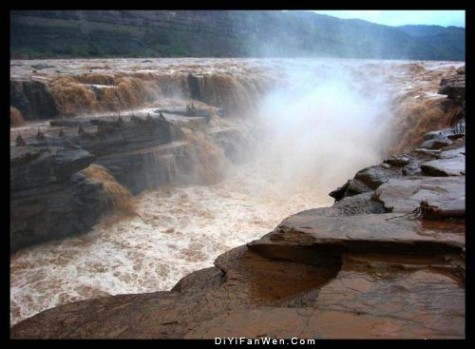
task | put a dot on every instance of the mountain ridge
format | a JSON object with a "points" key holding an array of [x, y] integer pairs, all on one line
{"points": [[212, 33]]}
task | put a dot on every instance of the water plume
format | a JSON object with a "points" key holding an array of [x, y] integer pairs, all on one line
{"points": [[321, 127]]}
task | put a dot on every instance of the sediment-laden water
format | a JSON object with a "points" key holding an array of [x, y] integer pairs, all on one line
{"points": [[322, 121]]}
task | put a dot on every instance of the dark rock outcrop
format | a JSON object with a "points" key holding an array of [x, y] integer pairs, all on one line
{"points": [[49, 197], [139, 152], [446, 161], [33, 99], [454, 87]]}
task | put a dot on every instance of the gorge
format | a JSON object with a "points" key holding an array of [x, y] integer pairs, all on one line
{"points": [[127, 175]]}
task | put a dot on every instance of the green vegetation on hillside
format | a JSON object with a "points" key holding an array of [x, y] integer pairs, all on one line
{"points": [[54, 34]]}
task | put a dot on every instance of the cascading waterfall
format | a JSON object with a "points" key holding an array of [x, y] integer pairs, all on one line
{"points": [[307, 126]]}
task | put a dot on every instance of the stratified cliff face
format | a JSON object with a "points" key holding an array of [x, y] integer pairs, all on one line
{"points": [[387, 260], [48, 34]]}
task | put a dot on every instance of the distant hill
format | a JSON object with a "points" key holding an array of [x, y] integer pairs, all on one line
{"points": [[51, 34]]}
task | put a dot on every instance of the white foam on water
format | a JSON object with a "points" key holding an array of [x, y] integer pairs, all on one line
{"points": [[177, 230]]}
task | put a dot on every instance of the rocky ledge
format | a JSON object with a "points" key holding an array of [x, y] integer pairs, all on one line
{"points": [[51, 196], [387, 260]]}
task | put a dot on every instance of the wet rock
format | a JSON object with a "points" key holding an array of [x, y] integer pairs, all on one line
{"points": [[37, 166], [18, 98], [444, 167], [388, 304], [128, 137], [454, 87], [356, 187], [356, 305], [436, 143], [199, 280], [457, 152], [373, 176], [194, 86], [398, 161], [139, 154], [69, 161], [405, 195], [444, 138], [19, 141], [151, 167], [359, 204], [336, 235], [433, 153], [364, 181], [339, 193]]}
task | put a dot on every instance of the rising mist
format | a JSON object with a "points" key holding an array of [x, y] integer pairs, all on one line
{"points": [[321, 124]]}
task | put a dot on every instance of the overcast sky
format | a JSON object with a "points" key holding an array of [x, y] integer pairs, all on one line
{"points": [[442, 17]]}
